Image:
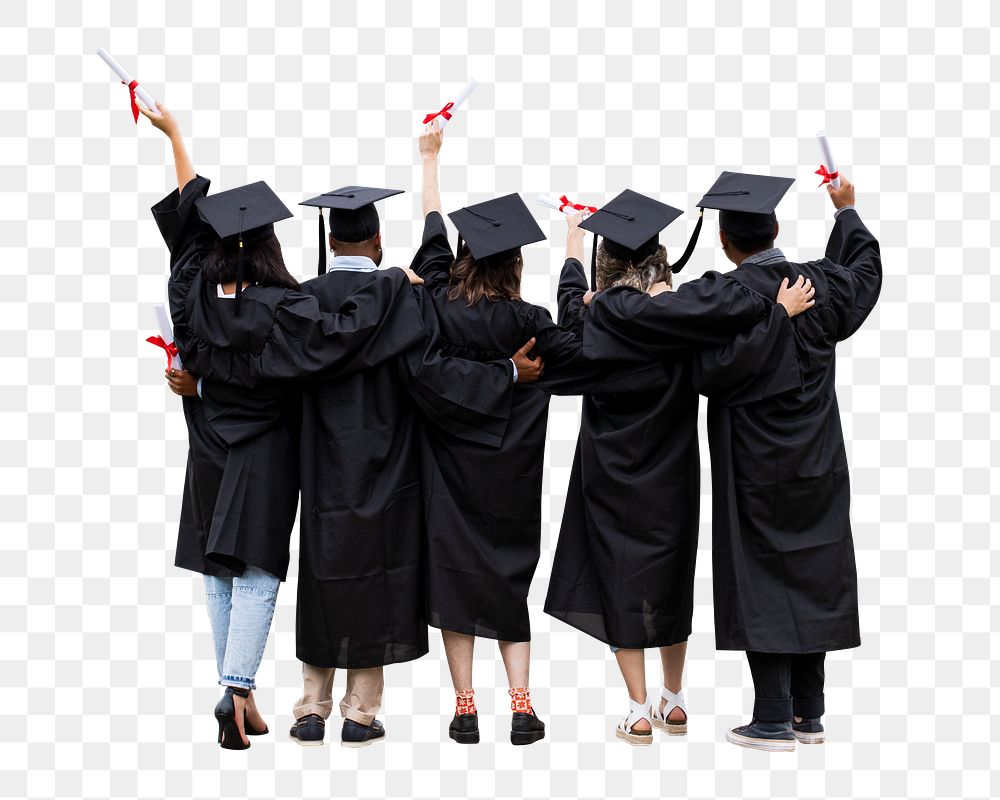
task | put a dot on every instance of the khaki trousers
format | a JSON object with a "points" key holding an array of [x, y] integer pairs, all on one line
{"points": [[361, 700]]}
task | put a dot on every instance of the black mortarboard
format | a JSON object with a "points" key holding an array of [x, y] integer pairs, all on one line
{"points": [[633, 222], [248, 212], [353, 217], [746, 202], [496, 226]]}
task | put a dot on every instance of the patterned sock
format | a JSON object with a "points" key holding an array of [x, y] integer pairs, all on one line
{"points": [[520, 700], [465, 702]]}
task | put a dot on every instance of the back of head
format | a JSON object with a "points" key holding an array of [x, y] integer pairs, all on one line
{"points": [[263, 263], [748, 233], [353, 226], [497, 277], [640, 269]]}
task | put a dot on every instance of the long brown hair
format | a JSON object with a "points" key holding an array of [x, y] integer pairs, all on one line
{"points": [[495, 278], [615, 269], [263, 263]]}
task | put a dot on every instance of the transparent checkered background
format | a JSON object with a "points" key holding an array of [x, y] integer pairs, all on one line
{"points": [[106, 670]]}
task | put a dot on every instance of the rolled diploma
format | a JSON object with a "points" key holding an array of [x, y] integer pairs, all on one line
{"points": [[469, 88], [146, 97], [550, 201], [824, 147], [166, 329]]}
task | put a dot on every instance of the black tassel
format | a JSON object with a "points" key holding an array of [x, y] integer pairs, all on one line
{"points": [[689, 250], [321, 267], [239, 263], [593, 265]]}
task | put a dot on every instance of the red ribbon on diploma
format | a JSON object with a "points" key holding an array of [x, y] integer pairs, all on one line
{"points": [[131, 97], [827, 176], [168, 347], [444, 112], [575, 206]]}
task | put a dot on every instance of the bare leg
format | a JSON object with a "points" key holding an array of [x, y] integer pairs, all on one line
{"points": [[517, 661], [632, 664], [458, 647], [672, 659]]}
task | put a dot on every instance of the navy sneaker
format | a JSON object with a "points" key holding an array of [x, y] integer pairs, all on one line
{"points": [[308, 731], [354, 734], [771, 736], [809, 731]]}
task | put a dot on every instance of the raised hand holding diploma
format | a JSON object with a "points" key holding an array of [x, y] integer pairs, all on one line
{"points": [[447, 111], [133, 85], [827, 170], [564, 204]]}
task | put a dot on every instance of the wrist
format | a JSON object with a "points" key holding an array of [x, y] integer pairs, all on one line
{"points": [[429, 158]]}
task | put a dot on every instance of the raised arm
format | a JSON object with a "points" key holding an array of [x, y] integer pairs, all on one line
{"points": [[572, 280], [165, 122], [855, 251], [430, 146]]}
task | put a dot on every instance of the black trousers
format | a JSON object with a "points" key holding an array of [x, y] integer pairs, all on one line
{"points": [[787, 684]]}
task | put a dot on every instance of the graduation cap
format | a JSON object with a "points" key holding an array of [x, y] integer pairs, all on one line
{"points": [[353, 217], [496, 226], [746, 202], [247, 212], [631, 224]]}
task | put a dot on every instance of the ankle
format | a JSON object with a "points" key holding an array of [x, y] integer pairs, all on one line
{"points": [[465, 702], [520, 700]]}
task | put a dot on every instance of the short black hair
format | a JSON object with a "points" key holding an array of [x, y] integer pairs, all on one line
{"points": [[748, 233]]}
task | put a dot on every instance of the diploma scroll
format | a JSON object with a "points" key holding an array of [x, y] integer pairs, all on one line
{"points": [[449, 108], [133, 86], [828, 169], [563, 204], [165, 340]]}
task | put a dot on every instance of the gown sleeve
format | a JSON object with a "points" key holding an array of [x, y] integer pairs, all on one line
{"points": [[377, 322], [759, 363], [434, 258], [624, 323], [857, 276], [188, 239], [572, 287], [469, 399], [568, 370]]}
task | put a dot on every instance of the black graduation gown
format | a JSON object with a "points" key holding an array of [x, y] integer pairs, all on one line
{"points": [[483, 488], [624, 566], [785, 579], [360, 589], [242, 482]]}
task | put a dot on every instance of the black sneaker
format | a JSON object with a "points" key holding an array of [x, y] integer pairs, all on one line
{"points": [[809, 731], [354, 734], [526, 728], [464, 728], [772, 736], [308, 731]]}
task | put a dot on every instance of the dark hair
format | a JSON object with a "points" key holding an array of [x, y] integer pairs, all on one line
{"points": [[495, 278], [750, 244], [262, 263], [615, 269]]}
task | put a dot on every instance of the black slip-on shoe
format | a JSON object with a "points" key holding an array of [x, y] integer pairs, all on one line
{"points": [[464, 728], [308, 731], [772, 736], [809, 731], [354, 734], [526, 728]]}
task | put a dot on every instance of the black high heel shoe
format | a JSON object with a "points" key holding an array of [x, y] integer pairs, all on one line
{"points": [[225, 715], [246, 724]]}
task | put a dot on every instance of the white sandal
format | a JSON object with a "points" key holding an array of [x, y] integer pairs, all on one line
{"points": [[638, 711], [660, 719]]}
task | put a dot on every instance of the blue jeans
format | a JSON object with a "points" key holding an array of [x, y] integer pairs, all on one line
{"points": [[240, 610]]}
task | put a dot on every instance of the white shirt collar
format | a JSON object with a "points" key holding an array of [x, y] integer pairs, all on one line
{"points": [[351, 264]]}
